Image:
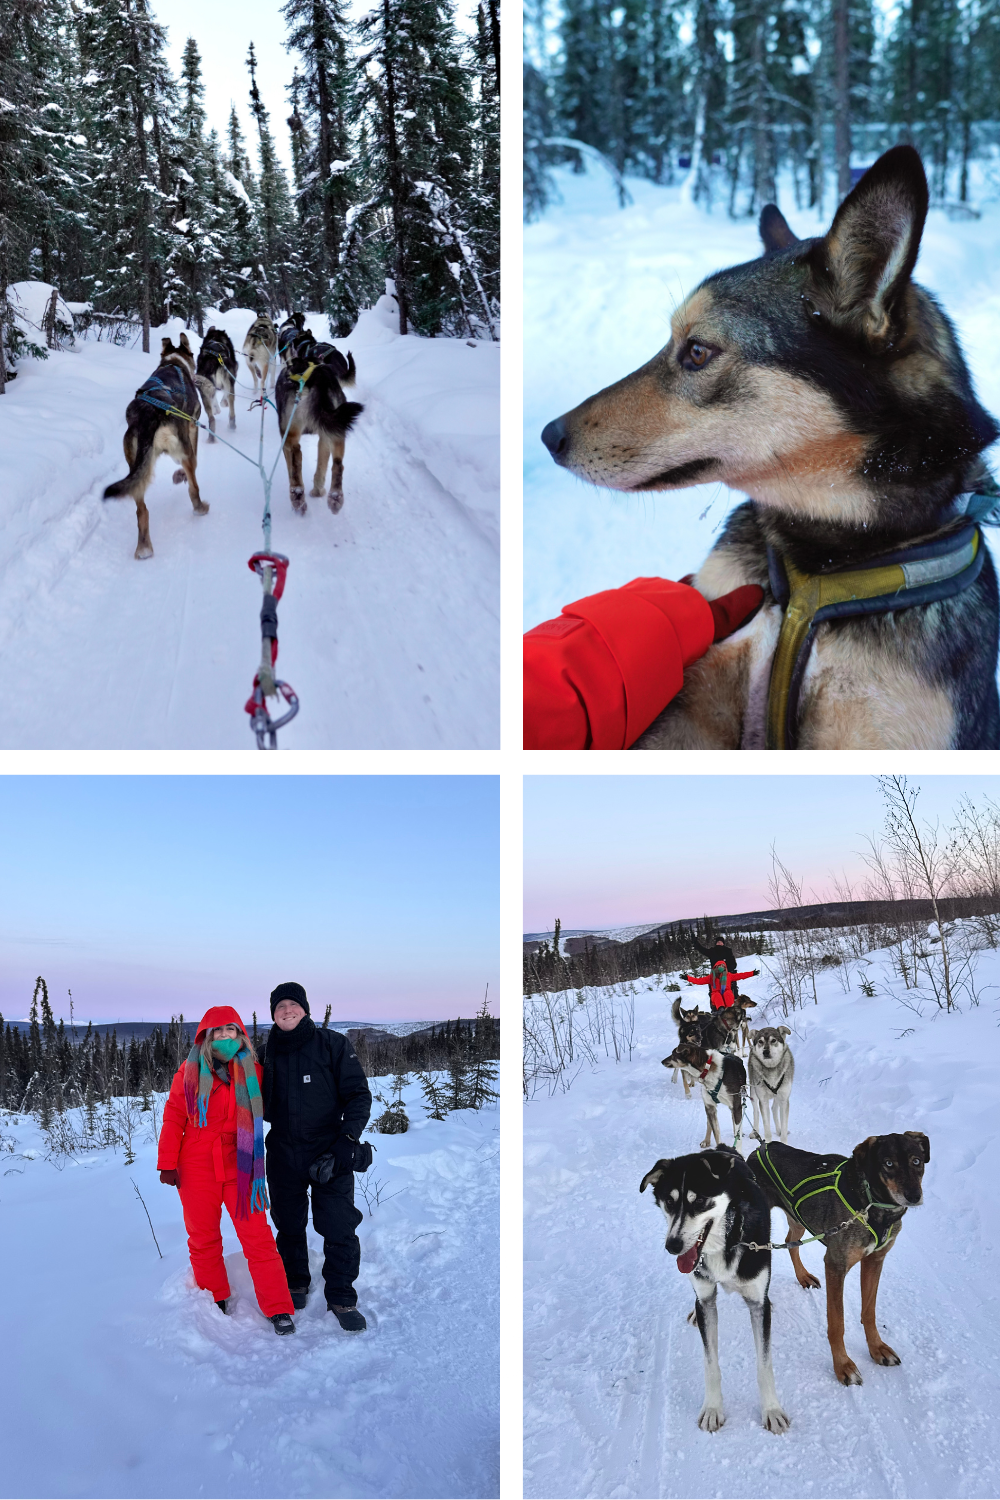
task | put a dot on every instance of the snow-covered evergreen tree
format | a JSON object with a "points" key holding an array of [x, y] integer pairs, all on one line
{"points": [[275, 219]]}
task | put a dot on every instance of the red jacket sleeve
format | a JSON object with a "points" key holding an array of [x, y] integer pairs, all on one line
{"points": [[748, 975], [598, 676], [174, 1122], [692, 980]]}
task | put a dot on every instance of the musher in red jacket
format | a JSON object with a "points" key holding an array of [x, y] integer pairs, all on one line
{"points": [[720, 981]]}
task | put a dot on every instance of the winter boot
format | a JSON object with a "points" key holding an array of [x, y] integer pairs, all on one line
{"points": [[299, 1295], [350, 1320], [281, 1323], [223, 1306]]}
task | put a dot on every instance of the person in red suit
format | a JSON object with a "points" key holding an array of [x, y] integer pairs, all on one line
{"points": [[211, 1148], [597, 677], [720, 983]]}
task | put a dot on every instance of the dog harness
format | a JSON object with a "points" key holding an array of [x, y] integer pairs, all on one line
{"points": [[826, 1182], [906, 579]]}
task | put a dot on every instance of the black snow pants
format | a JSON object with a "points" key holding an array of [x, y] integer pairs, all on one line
{"points": [[334, 1217]]}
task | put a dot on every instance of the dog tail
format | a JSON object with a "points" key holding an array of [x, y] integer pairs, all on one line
{"points": [[675, 1010], [350, 370], [339, 422], [136, 479]]}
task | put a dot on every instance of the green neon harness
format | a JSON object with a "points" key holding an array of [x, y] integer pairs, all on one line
{"points": [[826, 1182]]}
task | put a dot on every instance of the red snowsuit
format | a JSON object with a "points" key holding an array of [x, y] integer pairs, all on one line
{"points": [[721, 995], [599, 675], [205, 1161]]}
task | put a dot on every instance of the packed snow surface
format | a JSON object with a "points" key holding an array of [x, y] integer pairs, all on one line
{"points": [[614, 1377], [120, 1378], [600, 284], [389, 625]]}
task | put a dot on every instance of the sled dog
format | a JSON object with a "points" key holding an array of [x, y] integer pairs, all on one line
{"points": [[152, 430], [324, 410], [722, 1078], [717, 1029], [260, 348], [824, 383], [885, 1171], [712, 1206], [294, 337], [771, 1068], [216, 371]]}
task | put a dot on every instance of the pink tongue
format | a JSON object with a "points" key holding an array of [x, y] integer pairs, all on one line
{"points": [[686, 1262]]}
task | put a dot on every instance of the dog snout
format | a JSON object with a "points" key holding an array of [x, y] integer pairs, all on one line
{"points": [[556, 438], [675, 1245]]}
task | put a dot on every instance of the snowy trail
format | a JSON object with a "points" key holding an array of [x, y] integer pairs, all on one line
{"points": [[389, 626], [158, 1394], [614, 1372]]}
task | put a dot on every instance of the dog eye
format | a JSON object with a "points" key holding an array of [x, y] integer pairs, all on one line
{"points": [[917, 1161], [696, 356], [690, 1197], [888, 1165]]}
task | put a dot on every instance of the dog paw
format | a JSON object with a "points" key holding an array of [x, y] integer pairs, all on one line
{"points": [[883, 1355], [211, 437], [144, 549], [200, 508], [775, 1420], [232, 424], [315, 493], [807, 1281], [711, 1418], [335, 500], [848, 1373], [179, 476]]}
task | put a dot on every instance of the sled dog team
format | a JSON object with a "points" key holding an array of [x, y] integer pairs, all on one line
{"points": [[310, 1087], [308, 398], [718, 1205]]}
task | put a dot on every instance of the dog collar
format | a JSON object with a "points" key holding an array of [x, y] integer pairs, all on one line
{"points": [[913, 576]]}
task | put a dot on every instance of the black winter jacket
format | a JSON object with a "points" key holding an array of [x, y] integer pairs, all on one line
{"points": [[314, 1089], [714, 952]]}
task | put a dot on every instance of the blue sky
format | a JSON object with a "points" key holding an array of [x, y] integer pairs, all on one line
{"points": [[605, 851], [149, 895]]}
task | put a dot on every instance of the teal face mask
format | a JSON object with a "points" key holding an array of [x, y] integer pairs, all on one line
{"points": [[226, 1047]]}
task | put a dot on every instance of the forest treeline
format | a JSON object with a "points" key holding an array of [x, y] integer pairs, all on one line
{"points": [[113, 189], [45, 1069], [731, 93]]}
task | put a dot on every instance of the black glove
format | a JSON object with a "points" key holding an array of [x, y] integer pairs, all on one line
{"points": [[334, 1163]]}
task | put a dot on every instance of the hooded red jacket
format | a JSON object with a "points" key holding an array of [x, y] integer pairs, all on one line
{"points": [[720, 995], [212, 1145]]}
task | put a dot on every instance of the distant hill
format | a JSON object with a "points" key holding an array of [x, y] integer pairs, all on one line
{"points": [[126, 1030]]}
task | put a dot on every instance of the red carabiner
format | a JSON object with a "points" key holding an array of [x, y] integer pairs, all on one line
{"points": [[261, 560]]}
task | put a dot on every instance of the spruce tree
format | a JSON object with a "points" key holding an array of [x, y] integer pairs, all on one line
{"points": [[275, 219]]}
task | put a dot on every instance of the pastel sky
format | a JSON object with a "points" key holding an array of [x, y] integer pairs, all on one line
{"points": [[607, 851], [151, 895]]}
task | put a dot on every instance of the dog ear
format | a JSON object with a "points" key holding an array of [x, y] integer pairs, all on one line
{"points": [[653, 1176], [861, 1151], [184, 343], [774, 230], [863, 266], [166, 345], [785, 1030], [925, 1145]]}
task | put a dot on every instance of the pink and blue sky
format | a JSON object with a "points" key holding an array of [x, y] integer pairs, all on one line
{"points": [[151, 895], [610, 851]]}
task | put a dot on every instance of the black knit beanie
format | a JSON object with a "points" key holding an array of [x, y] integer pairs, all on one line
{"points": [[289, 991]]}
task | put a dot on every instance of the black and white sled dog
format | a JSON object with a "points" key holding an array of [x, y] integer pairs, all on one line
{"points": [[293, 338], [322, 409], [713, 1207], [722, 1077], [162, 418], [772, 1068], [260, 348], [709, 1029], [216, 371]]}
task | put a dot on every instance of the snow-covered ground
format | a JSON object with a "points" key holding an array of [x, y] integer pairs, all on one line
{"points": [[613, 1372], [152, 1392], [389, 626], [600, 284]]}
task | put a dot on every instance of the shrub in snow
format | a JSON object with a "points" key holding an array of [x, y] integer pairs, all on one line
{"points": [[391, 1122]]}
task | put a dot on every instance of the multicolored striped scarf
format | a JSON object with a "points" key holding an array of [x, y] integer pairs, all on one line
{"points": [[251, 1191]]}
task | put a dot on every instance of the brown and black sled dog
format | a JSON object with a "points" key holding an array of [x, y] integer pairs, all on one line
{"points": [[153, 430], [821, 381], [324, 410]]}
